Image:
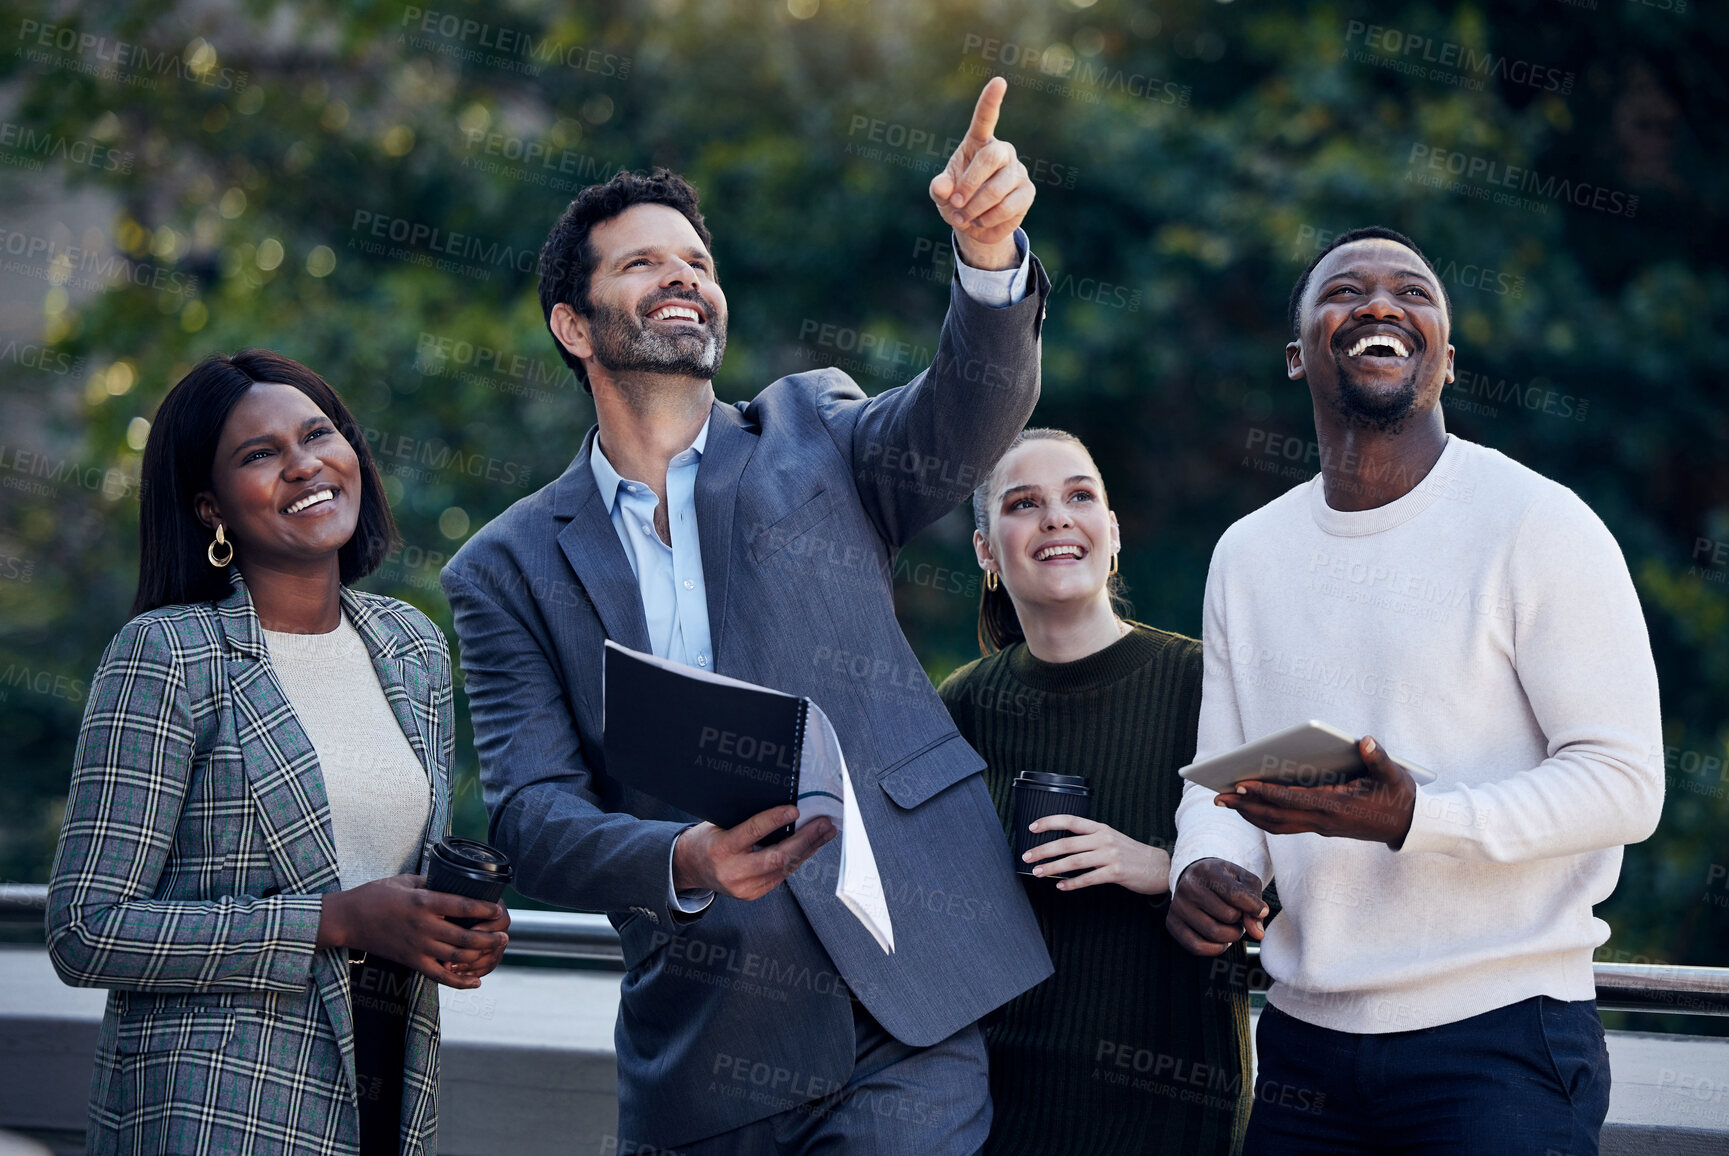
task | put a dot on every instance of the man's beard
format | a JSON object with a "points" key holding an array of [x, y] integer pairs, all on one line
{"points": [[625, 345], [1381, 412]]}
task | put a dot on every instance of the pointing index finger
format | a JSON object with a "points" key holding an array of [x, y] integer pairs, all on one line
{"points": [[984, 126]]}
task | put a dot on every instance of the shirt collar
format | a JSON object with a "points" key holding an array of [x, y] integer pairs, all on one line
{"points": [[607, 479]]}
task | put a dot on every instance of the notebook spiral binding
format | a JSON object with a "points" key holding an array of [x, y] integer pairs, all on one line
{"points": [[803, 714]]}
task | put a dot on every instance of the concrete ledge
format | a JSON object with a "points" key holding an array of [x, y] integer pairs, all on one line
{"points": [[47, 1044], [527, 1064], [1670, 1095], [526, 1061], [528, 1067]]}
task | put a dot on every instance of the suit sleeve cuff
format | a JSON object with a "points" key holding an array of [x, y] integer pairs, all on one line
{"points": [[294, 942], [998, 288], [690, 903]]}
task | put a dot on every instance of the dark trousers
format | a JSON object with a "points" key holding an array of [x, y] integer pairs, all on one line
{"points": [[900, 1101], [1528, 1079], [380, 988]]}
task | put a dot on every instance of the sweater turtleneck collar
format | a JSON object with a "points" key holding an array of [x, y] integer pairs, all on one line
{"points": [[1098, 669]]}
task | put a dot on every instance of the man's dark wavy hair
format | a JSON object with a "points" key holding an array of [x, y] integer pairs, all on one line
{"points": [[567, 259], [1367, 232]]}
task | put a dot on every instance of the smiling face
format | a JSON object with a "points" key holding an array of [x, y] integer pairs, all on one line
{"points": [[285, 483], [654, 305], [1374, 335], [1051, 535]]}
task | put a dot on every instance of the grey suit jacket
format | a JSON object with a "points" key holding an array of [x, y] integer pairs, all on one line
{"points": [[192, 860], [803, 497]]}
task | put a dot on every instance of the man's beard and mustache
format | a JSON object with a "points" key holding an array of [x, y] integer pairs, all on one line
{"points": [[1375, 408], [626, 343]]}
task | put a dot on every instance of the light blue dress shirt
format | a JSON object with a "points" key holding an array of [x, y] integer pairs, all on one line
{"points": [[674, 599]]}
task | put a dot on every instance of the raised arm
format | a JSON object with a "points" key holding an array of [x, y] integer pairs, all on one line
{"points": [[921, 448], [129, 780]]}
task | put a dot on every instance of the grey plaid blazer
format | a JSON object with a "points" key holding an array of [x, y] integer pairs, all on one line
{"points": [[194, 851]]}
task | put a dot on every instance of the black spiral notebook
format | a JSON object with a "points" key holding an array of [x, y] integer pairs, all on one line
{"points": [[719, 750], [724, 750]]}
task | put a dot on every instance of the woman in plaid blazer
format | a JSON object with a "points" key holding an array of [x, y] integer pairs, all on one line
{"points": [[197, 875]]}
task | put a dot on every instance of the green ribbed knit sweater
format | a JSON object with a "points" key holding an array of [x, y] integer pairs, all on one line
{"points": [[1133, 1045]]}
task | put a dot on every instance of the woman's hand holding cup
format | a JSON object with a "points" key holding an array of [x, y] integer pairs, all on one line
{"points": [[400, 919], [492, 956], [1102, 854]]}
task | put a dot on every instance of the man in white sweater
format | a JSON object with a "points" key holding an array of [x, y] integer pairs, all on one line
{"points": [[1431, 966]]}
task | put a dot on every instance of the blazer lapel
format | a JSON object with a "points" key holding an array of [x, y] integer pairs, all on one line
{"points": [[404, 677], [407, 681], [278, 758], [592, 548], [730, 445], [293, 809]]}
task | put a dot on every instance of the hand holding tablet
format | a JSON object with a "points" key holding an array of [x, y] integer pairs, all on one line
{"points": [[1314, 778], [1310, 754]]}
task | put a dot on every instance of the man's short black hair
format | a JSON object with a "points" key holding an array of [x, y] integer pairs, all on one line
{"points": [[567, 259], [1367, 232]]}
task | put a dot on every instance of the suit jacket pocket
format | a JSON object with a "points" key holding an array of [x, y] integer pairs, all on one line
{"points": [[766, 540], [930, 770], [195, 1030]]}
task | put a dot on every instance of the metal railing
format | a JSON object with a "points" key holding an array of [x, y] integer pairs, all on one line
{"points": [[1633, 987]]}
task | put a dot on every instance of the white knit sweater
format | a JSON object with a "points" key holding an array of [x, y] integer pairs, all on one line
{"points": [[379, 793], [1483, 626]]}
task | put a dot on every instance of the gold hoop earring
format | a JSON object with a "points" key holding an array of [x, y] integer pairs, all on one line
{"points": [[1113, 563], [210, 551], [990, 579]]}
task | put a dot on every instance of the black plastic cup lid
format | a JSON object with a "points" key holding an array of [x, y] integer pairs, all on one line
{"points": [[472, 855], [1047, 781]]}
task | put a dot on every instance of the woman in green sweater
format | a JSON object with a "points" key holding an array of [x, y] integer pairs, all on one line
{"points": [[1134, 1045]]}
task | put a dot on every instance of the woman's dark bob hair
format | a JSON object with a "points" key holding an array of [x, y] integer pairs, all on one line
{"points": [[173, 568]]}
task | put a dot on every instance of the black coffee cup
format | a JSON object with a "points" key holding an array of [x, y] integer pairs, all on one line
{"points": [[468, 867], [1041, 793]]}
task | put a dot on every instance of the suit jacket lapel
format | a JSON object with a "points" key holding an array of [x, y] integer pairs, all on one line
{"points": [[730, 445], [592, 548]]}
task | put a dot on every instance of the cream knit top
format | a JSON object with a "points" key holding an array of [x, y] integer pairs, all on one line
{"points": [[378, 791]]}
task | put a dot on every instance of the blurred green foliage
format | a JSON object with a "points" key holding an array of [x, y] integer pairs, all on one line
{"points": [[1189, 157]]}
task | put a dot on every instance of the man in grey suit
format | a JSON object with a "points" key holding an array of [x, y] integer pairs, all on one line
{"points": [[758, 540]]}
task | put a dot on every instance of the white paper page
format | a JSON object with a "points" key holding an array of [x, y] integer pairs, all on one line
{"points": [[822, 768]]}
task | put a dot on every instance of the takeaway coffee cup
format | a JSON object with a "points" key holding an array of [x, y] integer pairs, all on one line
{"points": [[1040, 793], [468, 867]]}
